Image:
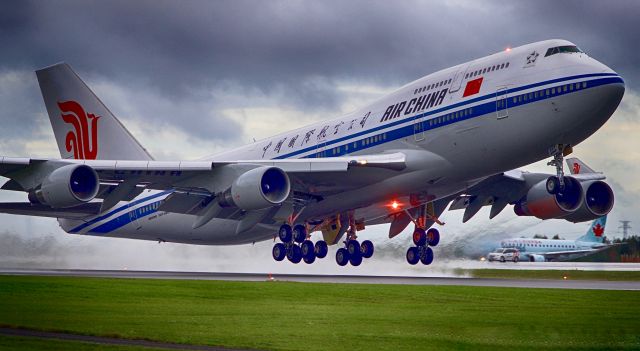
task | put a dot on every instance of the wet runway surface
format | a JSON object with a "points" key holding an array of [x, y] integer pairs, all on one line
{"points": [[317, 278]]}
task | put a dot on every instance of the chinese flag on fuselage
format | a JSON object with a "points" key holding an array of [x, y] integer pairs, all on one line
{"points": [[473, 87]]}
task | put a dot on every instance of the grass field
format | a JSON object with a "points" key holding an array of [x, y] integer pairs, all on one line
{"points": [[301, 316], [550, 274]]}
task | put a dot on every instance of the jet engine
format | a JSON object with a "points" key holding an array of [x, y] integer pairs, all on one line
{"points": [[67, 186], [540, 203], [256, 189], [536, 258], [598, 201]]}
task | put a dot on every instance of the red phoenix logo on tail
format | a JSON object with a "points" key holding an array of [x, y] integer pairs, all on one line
{"points": [[598, 230], [84, 146]]}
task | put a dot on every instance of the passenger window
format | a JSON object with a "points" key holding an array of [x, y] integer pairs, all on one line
{"points": [[506, 65], [564, 88], [502, 66], [535, 94], [584, 85], [484, 71], [553, 91], [515, 99]]}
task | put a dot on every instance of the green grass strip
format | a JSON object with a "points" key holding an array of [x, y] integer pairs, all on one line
{"points": [[302, 316]]}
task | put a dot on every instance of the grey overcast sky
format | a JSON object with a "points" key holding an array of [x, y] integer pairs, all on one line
{"points": [[191, 78]]}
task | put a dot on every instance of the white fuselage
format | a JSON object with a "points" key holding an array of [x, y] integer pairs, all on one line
{"points": [[519, 111], [541, 246]]}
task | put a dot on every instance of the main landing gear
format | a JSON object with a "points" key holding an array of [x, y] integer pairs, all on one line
{"points": [[296, 246], [422, 252], [423, 238], [354, 252]]}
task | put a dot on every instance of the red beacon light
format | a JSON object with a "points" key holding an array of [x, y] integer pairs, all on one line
{"points": [[394, 205]]}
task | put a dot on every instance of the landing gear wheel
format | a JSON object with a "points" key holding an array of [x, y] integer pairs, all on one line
{"points": [[427, 256], [553, 185], [356, 259], [366, 248], [413, 255], [299, 233], [279, 252], [353, 247], [285, 234], [342, 256], [308, 250], [433, 237], [309, 259], [321, 249], [294, 254], [419, 237]]}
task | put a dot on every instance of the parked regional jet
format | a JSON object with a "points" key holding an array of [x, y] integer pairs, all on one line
{"points": [[541, 250], [454, 135]]}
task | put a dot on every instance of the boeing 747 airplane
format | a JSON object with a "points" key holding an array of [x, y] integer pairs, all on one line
{"points": [[454, 136]]}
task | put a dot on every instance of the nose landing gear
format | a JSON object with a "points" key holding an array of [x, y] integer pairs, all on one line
{"points": [[555, 184]]}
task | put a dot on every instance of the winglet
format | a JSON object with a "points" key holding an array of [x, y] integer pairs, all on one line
{"points": [[576, 166]]}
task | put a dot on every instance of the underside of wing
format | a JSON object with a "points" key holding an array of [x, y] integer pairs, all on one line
{"points": [[28, 209]]}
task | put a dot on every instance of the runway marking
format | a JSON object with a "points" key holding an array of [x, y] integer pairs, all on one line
{"points": [[345, 279], [30, 333]]}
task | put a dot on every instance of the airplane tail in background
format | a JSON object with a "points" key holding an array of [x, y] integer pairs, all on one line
{"points": [[83, 126], [596, 231]]}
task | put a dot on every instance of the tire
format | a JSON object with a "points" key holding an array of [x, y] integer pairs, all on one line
{"points": [[427, 257], [516, 259], [433, 237], [353, 246], [294, 254], [419, 237], [355, 260], [413, 255], [502, 259], [279, 252], [321, 249], [310, 259], [299, 233], [284, 233], [367, 249], [553, 185], [342, 256], [307, 250]]}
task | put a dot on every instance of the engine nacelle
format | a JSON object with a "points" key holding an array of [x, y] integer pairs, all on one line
{"points": [[67, 186], [536, 258], [598, 201], [540, 203], [256, 189]]}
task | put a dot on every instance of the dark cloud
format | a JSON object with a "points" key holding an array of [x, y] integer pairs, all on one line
{"points": [[293, 51]]}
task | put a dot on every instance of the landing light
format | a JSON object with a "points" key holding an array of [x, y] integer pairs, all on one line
{"points": [[507, 49], [395, 205]]}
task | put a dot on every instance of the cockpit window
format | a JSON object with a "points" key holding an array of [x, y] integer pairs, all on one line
{"points": [[562, 49]]}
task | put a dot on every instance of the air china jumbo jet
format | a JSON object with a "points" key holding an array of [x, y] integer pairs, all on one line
{"points": [[452, 136], [541, 250]]}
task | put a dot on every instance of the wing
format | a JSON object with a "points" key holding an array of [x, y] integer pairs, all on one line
{"points": [[195, 183], [28, 209]]}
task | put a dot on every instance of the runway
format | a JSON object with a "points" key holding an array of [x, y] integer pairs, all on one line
{"points": [[318, 278]]}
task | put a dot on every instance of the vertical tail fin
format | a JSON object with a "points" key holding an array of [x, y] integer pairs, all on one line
{"points": [[576, 166], [83, 126], [596, 231]]}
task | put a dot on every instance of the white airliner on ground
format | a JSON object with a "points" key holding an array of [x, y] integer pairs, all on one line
{"points": [[453, 135], [541, 250]]}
